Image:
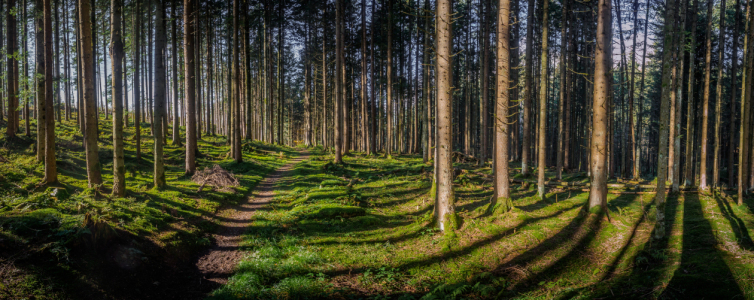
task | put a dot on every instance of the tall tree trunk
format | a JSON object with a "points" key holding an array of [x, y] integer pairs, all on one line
{"points": [[116, 38], [389, 75], [160, 94], [528, 85], [717, 163], [12, 69], [174, 69], [705, 104], [733, 97], [640, 113], [90, 136], [445, 199], [236, 95], [137, 79], [675, 116], [602, 65], [40, 99], [563, 88], [745, 139], [542, 161], [662, 159], [339, 11], [188, 52], [485, 76], [502, 189], [688, 177]]}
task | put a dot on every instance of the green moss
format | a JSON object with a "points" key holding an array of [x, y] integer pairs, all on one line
{"points": [[503, 205]]}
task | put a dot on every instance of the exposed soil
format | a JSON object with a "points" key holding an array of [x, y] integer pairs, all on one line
{"points": [[218, 262]]}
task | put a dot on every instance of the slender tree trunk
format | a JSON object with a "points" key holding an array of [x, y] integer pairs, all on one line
{"points": [[160, 94], [745, 139], [688, 171], [51, 172], [502, 189], [640, 113], [338, 82], [389, 75], [542, 162], [662, 159], [90, 136], [188, 52], [705, 104], [445, 199], [717, 163], [12, 69], [174, 69], [602, 64], [563, 88], [116, 39], [137, 80], [40, 99], [528, 85], [734, 80], [236, 95]]}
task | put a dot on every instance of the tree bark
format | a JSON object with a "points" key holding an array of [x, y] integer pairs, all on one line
{"points": [[339, 82], [705, 102], [502, 188], [444, 202], [602, 65], [91, 131], [526, 144], [717, 163], [116, 58], [188, 52], [542, 161]]}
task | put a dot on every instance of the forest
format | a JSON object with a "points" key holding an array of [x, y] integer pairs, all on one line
{"points": [[376, 149]]}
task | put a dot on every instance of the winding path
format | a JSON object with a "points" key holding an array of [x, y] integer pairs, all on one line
{"points": [[217, 264]]}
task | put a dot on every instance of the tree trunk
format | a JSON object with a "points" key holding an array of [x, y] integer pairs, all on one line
{"points": [[40, 99], [542, 161], [502, 189], [705, 102], [188, 52], [160, 76], [90, 136], [137, 80], [526, 144], [563, 88], [236, 95], [444, 202], [174, 69], [662, 159], [602, 65], [12, 69], [717, 163], [688, 171], [116, 53], [339, 11]]}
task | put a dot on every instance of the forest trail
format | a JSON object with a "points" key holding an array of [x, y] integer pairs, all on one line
{"points": [[217, 264]]}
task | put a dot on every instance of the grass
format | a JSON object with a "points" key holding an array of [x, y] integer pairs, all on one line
{"points": [[376, 240], [62, 220], [363, 230]]}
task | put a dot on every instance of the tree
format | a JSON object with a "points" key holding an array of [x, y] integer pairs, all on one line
{"points": [[339, 82], [90, 110], [667, 79], [717, 163], [602, 65], [40, 89], [160, 86], [116, 55], [12, 67], [502, 189], [688, 177], [174, 69], [137, 79], [745, 139], [703, 168], [188, 52], [444, 202], [389, 68], [542, 162], [526, 143], [563, 88], [236, 94]]}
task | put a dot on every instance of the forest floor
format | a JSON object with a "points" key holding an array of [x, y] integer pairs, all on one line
{"points": [[361, 230]]}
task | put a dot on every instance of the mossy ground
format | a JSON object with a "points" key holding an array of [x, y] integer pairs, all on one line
{"points": [[542, 249], [58, 224], [364, 230]]}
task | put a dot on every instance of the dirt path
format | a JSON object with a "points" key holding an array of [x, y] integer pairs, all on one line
{"points": [[218, 263]]}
